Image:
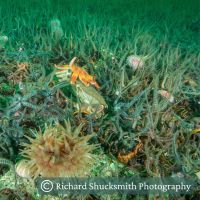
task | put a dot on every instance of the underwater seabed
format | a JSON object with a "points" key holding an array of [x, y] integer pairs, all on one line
{"points": [[91, 88]]}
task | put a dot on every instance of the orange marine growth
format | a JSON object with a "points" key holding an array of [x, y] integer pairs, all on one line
{"points": [[78, 72], [125, 158]]}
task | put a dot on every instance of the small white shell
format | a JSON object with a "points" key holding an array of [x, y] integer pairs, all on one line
{"points": [[22, 169]]}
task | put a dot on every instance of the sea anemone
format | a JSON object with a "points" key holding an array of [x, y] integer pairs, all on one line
{"points": [[3, 41], [56, 28], [135, 62], [167, 95], [57, 152], [4, 38]]}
